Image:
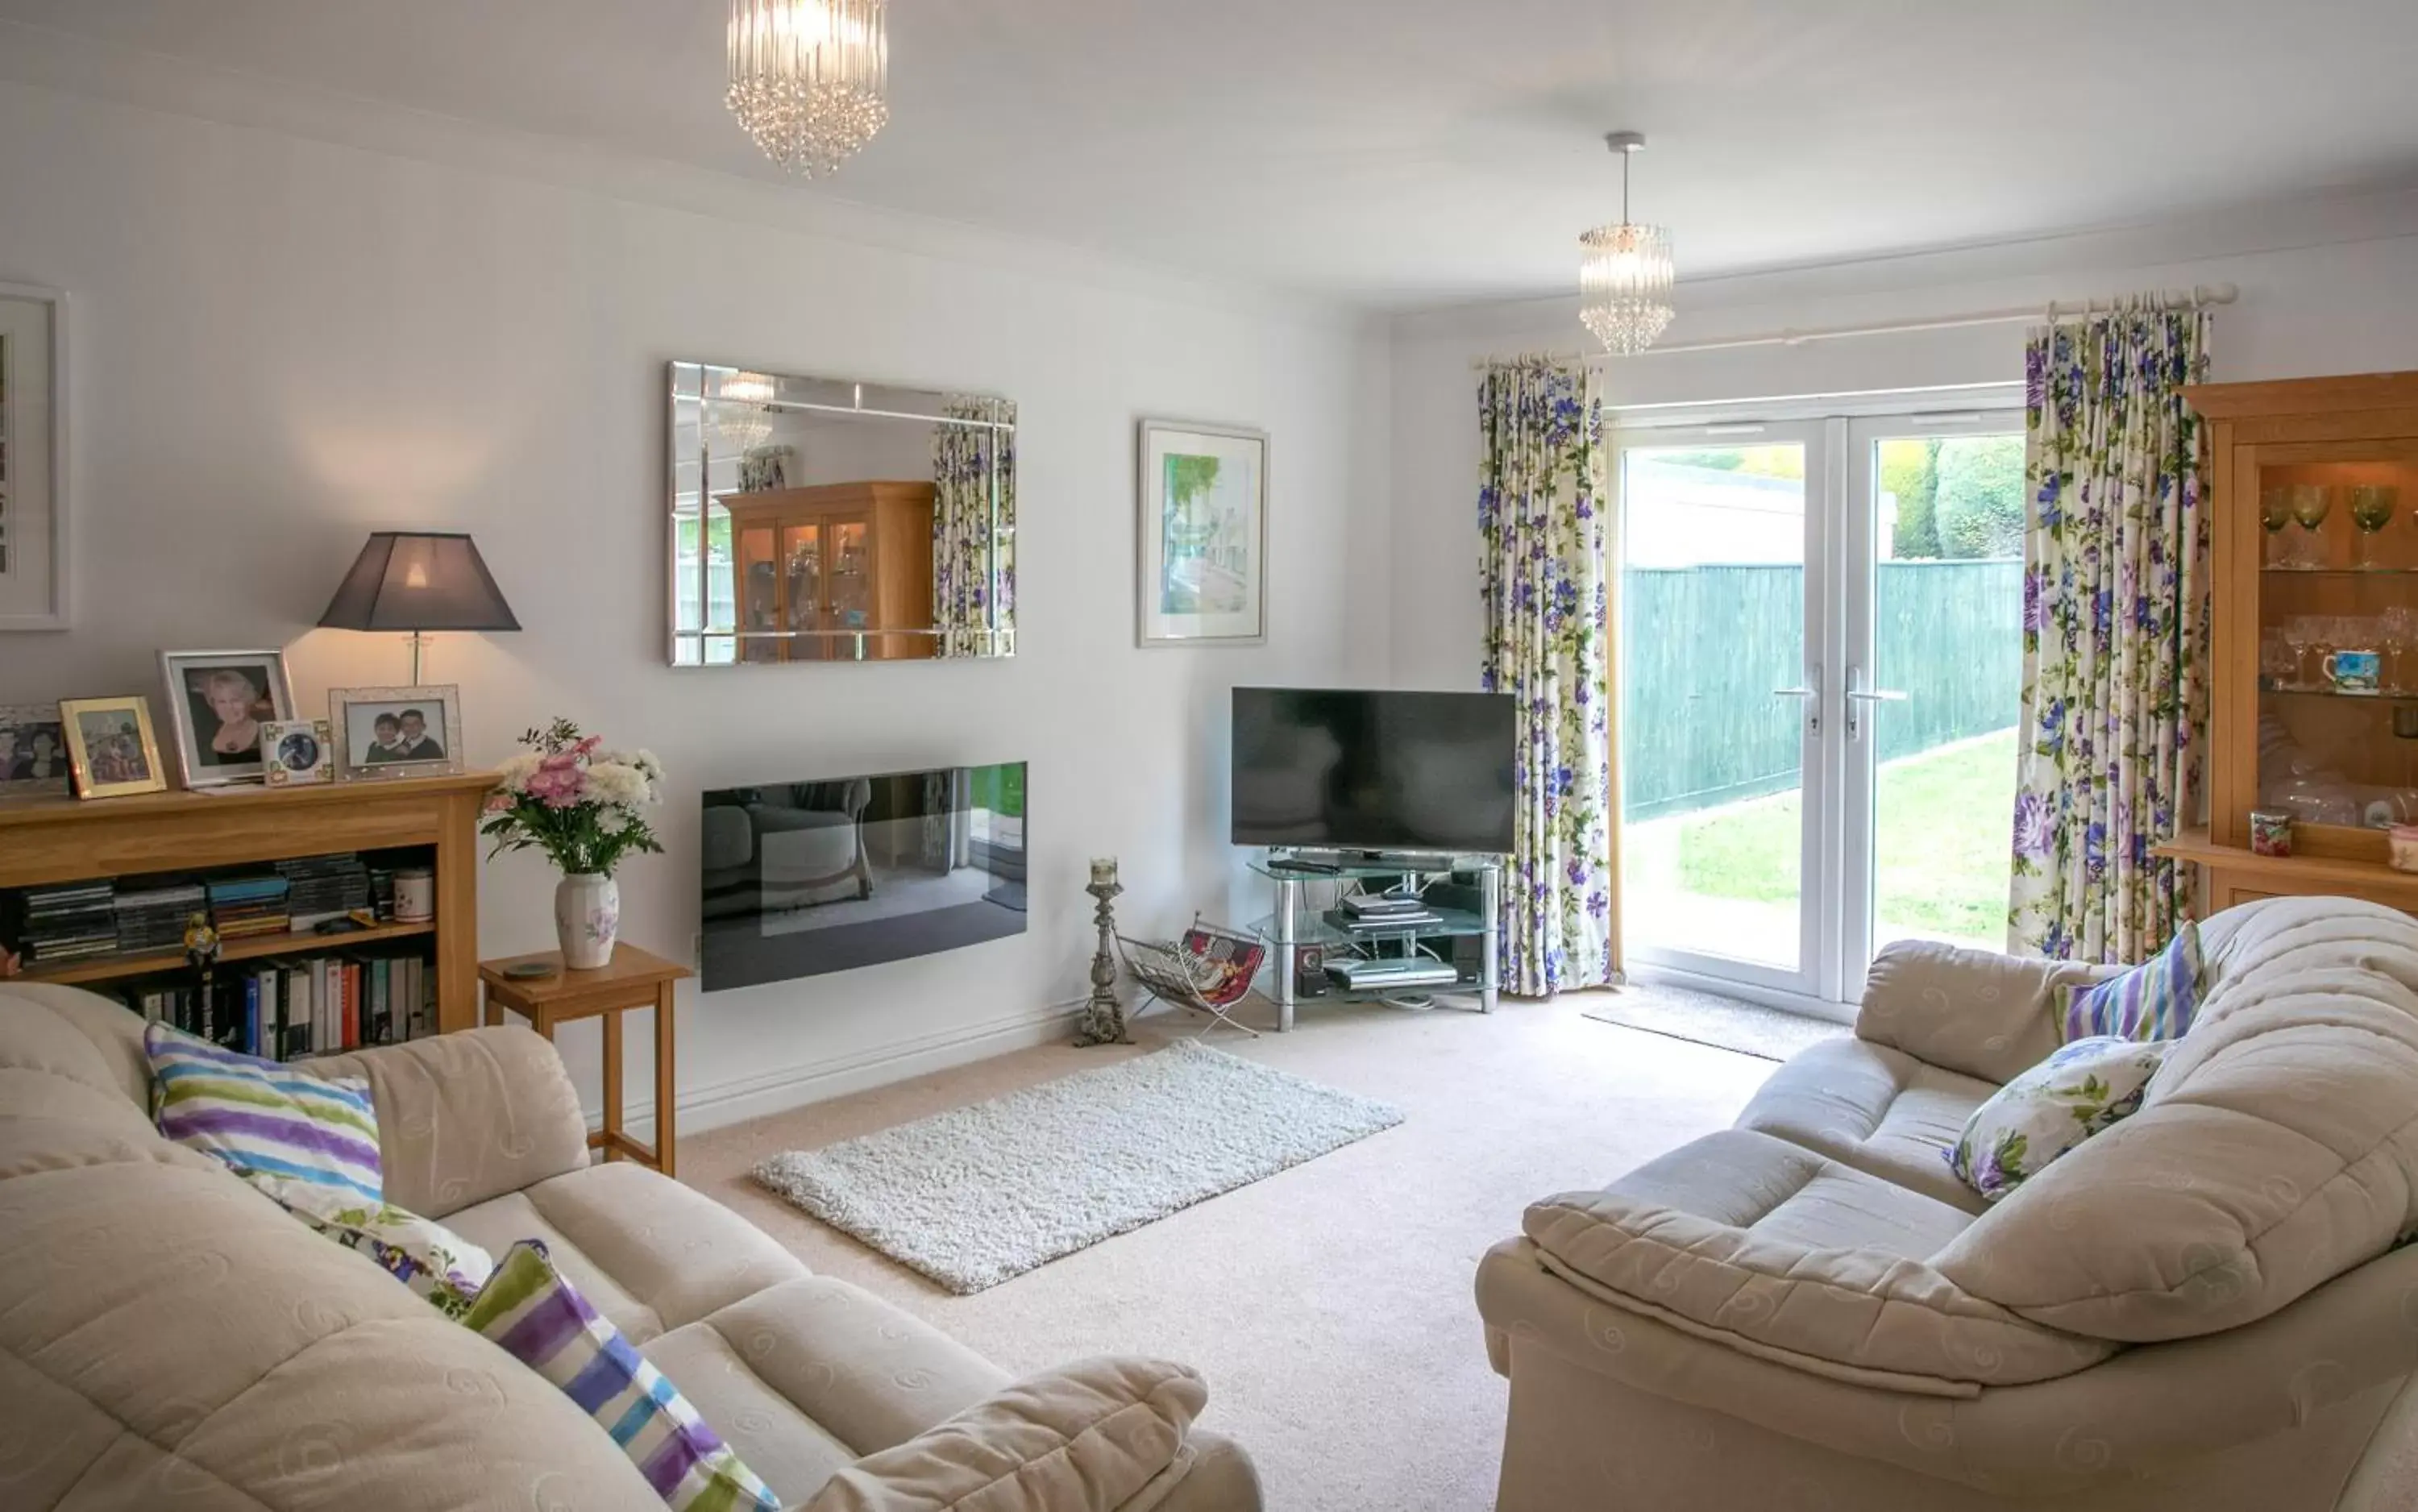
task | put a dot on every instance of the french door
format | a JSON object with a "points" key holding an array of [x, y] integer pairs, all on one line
{"points": [[1820, 651]]}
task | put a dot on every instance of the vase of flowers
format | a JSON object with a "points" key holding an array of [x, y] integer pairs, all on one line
{"points": [[586, 808]]}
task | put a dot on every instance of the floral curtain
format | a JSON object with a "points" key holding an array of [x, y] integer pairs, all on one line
{"points": [[1547, 583], [973, 527], [2115, 633]]}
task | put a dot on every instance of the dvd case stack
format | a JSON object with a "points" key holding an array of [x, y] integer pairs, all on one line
{"points": [[152, 916], [70, 922], [241, 907], [320, 887]]}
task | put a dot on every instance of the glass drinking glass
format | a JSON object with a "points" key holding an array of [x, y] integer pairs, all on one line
{"points": [[2300, 634], [2371, 509], [2310, 504], [2275, 513], [2399, 633]]}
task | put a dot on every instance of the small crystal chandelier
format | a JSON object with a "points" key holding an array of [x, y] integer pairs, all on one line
{"points": [[742, 416], [1624, 270], [809, 78]]}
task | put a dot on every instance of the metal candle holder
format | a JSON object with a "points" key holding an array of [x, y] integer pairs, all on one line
{"points": [[1104, 1017]]}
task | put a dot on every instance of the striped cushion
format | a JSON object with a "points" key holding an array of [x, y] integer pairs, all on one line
{"points": [[2152, 1002], [541, 1320], [262, 1117]]}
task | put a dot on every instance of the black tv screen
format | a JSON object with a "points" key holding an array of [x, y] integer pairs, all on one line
{"points": [[804, 877], [1334, 768]]}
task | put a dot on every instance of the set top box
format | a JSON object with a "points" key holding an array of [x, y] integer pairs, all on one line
{"points": [[1327, 769]]}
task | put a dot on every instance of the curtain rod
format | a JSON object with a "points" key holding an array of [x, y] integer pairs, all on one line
{"points": [[2198, 297]]}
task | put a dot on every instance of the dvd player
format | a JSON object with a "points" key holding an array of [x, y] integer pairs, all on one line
{"points": [[1392, 973]]}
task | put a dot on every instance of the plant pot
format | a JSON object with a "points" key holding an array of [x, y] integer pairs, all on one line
{"points": [[587, 918]]}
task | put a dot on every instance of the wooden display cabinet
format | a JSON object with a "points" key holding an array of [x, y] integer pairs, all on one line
{"points": [[838, 565], [2283, 734]]}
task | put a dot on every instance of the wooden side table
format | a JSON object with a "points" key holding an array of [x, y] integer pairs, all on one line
{"points": [[634, 979]]}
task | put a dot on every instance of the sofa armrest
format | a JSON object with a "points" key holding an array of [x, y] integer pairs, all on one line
{"points": [[1971, 1011], [468, 1116], [1100, 1435]]}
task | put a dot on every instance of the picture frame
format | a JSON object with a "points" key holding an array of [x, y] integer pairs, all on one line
{"points": [[217, 725], [36, 527], [378, 737], [111, 748], [298, 752], [34, 753], [1200, 535]]}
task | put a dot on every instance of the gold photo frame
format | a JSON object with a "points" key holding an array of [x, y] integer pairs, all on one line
{"points": [[112, 750]]}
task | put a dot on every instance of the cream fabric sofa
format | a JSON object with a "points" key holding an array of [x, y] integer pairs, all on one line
{"points": [[171, 1338], [2203, 1307]]}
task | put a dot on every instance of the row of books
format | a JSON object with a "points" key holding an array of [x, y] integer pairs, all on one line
{"points": [[285, 1010], [68, 920]]}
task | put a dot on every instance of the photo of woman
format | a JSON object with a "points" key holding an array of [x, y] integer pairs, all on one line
{"points": [[218, 700]]}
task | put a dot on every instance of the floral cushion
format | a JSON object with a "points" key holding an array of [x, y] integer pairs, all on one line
{"points": [[541, 1320], [433, 1260], [2154, 1000], [2081, 1088]]}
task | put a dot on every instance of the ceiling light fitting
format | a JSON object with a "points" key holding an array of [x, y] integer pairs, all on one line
{"points": [[809, 78], [1624, 270]]}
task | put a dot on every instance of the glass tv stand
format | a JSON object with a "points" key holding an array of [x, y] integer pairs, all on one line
{"points": [[1457, 929]]}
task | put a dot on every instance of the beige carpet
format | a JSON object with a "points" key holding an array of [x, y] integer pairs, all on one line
{"points": [[1329, 1306]]}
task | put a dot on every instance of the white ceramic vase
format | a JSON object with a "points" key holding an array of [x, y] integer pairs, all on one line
{"points": [[586, 918]]}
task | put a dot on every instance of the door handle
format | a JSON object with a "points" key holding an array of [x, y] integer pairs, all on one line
{"points": [[1797, 692], [1866, 695], [1809, 694], [1881, 695]]}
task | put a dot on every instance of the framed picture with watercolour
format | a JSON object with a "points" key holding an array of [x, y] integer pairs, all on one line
{"points": [[1200, 568]]}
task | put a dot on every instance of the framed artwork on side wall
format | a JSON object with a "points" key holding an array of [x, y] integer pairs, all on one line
{"points": [[1201, 571], [217, 703], [34, 534]]}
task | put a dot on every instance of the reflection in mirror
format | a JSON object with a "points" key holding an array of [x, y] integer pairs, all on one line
{"points": [[822, 520]]}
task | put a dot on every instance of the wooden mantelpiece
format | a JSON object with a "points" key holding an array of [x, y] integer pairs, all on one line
{"points": [[51, 840]]}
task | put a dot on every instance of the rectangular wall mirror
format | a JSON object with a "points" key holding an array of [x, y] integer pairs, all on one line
{"points": [[826, 520]]}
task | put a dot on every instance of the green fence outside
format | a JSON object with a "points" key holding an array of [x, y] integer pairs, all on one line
{"points": [[1703, 647]]}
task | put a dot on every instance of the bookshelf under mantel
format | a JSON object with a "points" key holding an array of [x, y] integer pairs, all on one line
{"points": [[51, 840]]}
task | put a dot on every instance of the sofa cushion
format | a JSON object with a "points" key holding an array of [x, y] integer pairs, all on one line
{"points": [[1974, 1012], [2151, 1001], [1877, 1110], [2082, 1088], [646, 1252], [1773, 1250], [1085, 1437], [539, 1318], [2277, 1147], [260, 1116]]}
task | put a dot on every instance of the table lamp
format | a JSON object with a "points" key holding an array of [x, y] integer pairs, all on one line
{"points": [[418, 581]]}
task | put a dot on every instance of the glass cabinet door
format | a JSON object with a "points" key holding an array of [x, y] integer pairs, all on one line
{"points": [[759, 593], [802, 552], [852, 605], [2337, 641]]}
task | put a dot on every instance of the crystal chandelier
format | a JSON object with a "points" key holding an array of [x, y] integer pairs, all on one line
{"points": [[741, 416], [809, 78], [1624, 270]]}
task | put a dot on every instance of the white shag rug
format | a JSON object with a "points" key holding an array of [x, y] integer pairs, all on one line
{"points": [[976, 1194]]}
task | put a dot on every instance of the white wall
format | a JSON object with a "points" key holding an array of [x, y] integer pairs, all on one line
{"points": [[285, 338], [2325, 287]]}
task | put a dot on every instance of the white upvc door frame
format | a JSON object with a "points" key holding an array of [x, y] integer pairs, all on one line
{"points": [[1816, 971], [1857, 594]]}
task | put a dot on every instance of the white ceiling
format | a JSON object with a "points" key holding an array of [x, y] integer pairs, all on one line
{"points": [[1403, 153]]}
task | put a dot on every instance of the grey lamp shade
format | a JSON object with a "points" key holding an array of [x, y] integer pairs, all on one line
{"points": [[418, 580]]}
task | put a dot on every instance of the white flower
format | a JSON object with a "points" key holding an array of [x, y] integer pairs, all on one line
{"points": [[614, 782], [514, 775]]}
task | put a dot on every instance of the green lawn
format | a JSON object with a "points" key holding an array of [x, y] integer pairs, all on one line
{"points": [[1945, 821]]}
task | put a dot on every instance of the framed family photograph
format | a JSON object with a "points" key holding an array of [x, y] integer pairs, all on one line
{"points": [[297, 751], [34, 534], [33, 752], [111, 747], [396, 732], [217, 703], [1202, 573]]}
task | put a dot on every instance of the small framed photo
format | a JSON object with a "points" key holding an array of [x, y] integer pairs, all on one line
{"points": [[1201, 566], [297, 751], [217, 702], [110, 748], [33, 752], [396, 732]]}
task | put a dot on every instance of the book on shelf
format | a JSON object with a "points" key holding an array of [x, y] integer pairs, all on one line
{"points": [[283, 1009]]}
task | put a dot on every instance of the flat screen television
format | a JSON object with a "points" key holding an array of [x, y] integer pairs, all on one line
{"points": [[1329, 769], [833, 873]]}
